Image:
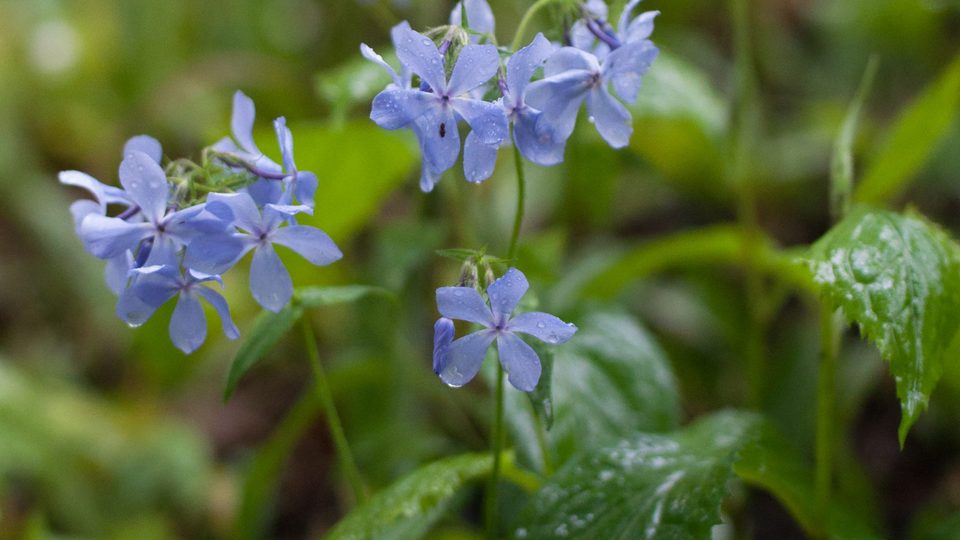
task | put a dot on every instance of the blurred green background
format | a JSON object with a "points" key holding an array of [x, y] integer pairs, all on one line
{"points": [[111, 432]]}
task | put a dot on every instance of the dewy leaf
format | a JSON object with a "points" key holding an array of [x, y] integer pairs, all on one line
{"points": [[611, 380], [655, 487], [267, 330], [898, 277], [912, 139], [408, 508]]}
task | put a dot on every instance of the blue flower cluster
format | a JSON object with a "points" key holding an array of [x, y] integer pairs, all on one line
{"points": [[595, 58], [180, 226]]}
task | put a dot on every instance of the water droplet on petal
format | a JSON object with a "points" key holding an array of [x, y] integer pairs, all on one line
{"points": [[541, 325]]}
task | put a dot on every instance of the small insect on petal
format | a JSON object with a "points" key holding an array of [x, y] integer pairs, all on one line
{"points": [[443, 129]]}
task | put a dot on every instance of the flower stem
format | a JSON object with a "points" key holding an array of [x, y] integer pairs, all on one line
{"points": [[521, 199], [527, 17], [497, 449], [826, 405], [344, 455]]}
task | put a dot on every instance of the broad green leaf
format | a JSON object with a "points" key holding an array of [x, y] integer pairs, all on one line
{"points": [[898, 277], [771, 463], [912, 139], [267, 330], [358, 165], [646, 486], [408, 508], [314, 297], [609, 381]]}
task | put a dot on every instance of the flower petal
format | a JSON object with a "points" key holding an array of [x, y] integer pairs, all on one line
{"points": [[479, 16], [246, 216], [524, 63], [612, 119], [558, 99], [441, 139], [305, 187], [241, 121], [479, 159], [567, 59], [476, 65], [264, 191], [395, 108], [146, 144], [285, 138], [505, 293], [463, 303], [542, 326], [486, 119], [117, 272], [420, 54], [372, 56], [540, 147], [270, 282], [108, 237], [520, 362], [188, 326], [465, 356], [146, 183], [310, 242], [626, 66], [83, 208], [223, 310], [217, 253], [443, 331]]}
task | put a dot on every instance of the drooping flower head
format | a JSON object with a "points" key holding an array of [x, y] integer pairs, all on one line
{"points": [[459, 361]]}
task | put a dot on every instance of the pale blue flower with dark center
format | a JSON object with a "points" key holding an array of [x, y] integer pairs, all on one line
{"points": [[463, 357], [155, 285], [259, 230], [434, 111]]}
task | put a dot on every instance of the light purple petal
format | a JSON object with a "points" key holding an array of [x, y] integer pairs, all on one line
{"points": [[285, 138], [83, 208], [188, 326], [310, 242], [372, 56], [540, 147], [246, 216], [223, 310], [305, 187], [479, 16], [479, 159], [505, 293], [146, 144], [107, 237], [395, 108], [116, 274], [269, 280], [612, 119], [215, 254], [165, 251], [476, 65], [428, 178], [520, 362], [542, 326], [420, 54], [87, 182], [566, 59], [443, 331], [146, 183], [558, 99], [138, 302], [463, 303], [241, 122], [264, 191], [626, 66], [465, 356], [524, 63], [486, 119], [441, 139]]}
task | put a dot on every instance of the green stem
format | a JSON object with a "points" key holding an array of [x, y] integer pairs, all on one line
{"points": [[525, 21], [497, 449], [826, 408], [521, 199], [344, 455]]}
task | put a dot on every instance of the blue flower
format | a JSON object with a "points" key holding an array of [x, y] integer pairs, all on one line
{"points": [[298, 185], [158, 284], [463, 357], [479, 17], [162, 231], [244, 153], [258, 230], [595, 35], [433, 112], [572, 76]]}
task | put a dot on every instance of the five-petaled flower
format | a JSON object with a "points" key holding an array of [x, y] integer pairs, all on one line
{"points": [[465, 355]]}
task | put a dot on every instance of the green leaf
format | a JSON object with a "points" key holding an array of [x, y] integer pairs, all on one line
{"points": [[611, 380], [646, 486], [898, 277], [771, 463], [408, 508], [912, 139], [314, 297], [841, 165], [267, 330]]}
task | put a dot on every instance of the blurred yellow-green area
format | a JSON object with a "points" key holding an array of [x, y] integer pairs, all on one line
{"points": [[110, 432]]}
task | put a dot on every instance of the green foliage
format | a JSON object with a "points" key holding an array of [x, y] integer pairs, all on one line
{"points": [[841, 165], [314, 297], [266, 331], [912, 139], [408, 508], [609, 381], [645, 486], [898, 277]]}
